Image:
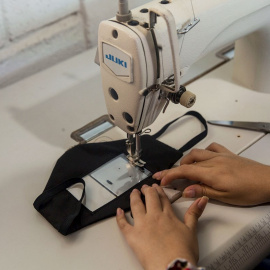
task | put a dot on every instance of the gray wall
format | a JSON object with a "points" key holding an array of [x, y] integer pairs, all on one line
{"points": [[35, 34]]}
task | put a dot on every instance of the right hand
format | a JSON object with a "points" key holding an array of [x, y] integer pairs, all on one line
{"points": [[158, 236], [223, 176]]}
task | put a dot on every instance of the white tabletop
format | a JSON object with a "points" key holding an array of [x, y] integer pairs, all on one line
{"points": [[37, 116]]}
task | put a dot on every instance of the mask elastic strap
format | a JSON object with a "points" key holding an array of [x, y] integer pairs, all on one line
{"points": [[194, 140]]}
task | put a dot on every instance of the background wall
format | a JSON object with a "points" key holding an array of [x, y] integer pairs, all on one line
{"points": [[35, 34]]}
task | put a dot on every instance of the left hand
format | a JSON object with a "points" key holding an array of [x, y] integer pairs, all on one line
{"points": [[223, 176], [158, 236]]}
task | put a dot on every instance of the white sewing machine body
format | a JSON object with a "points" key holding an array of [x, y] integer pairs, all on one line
{"points": [[136, 59]]}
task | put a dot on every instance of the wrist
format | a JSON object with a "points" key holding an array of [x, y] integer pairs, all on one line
{"points": [[154, 262], [165, 262], [182, 264]]}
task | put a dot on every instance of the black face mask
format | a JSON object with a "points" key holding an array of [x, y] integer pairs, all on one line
{"points": [[66, 213]]}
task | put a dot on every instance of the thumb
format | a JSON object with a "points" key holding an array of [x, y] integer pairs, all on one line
{"points": [[194, 212], [196, 191], [123, 225]]}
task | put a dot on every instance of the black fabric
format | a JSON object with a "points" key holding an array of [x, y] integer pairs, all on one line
{"points": [[65, 212], [48, 194]]}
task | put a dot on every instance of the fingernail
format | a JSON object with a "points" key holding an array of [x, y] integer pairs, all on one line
{"points": [[119, 211], [203, 202], [157, 175], [190, 193], [135, 190]]}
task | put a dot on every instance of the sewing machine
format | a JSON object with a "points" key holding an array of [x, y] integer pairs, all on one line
{"points": [[144, 53], [30, 243]]}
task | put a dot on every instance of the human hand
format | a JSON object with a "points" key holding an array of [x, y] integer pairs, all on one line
{"points": [[158, 236], [223, 176]]}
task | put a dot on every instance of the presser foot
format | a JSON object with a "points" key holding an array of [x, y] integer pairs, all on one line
{"points": [[136, 161], [134, 150]]}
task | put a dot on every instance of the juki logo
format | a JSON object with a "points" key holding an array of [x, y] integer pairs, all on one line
{"points": [[116, 60]]}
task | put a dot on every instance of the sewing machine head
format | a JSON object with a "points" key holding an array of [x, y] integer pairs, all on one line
{"points": [[139, 74], [144, 53]]}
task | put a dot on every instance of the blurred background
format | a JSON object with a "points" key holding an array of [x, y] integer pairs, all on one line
{"points": [[36, 34]]}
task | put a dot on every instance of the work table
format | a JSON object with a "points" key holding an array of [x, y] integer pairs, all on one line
{"points": [[37, 117]]}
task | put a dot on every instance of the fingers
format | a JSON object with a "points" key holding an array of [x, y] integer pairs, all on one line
{"points": [[152, 200], [136, 204], [123, 225], [194, 212], [165, 202], [197, 155], [196, 191], [191, 172], [215, 147]]}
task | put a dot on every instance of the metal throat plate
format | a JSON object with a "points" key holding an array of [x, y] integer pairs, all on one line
{"points": [[118, 175]]}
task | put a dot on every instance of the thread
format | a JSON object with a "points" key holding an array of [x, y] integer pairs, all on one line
{"points": [[123, 7]]}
